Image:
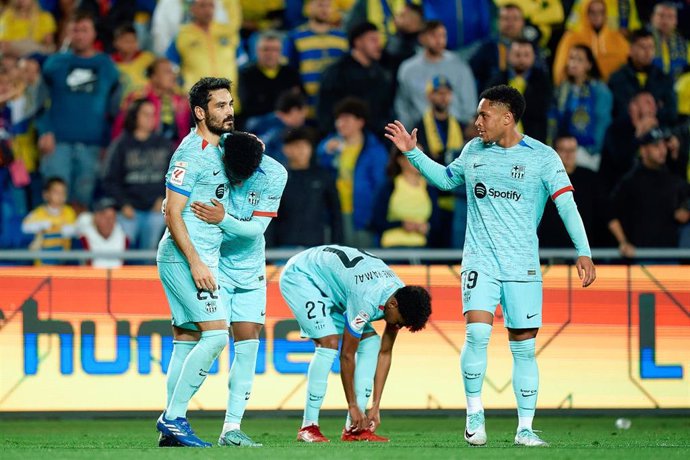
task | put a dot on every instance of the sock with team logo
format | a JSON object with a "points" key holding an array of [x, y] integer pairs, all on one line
{"points": [[473, 363], [317, 381], [365, 368], [180, 351], [194, 371], [525, 379], [241, 380]]}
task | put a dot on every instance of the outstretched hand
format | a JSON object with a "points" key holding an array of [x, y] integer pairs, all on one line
{"points": [[403, 140]]}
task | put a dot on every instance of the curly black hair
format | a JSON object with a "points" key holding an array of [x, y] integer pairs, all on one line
{"points": [[414, 304], [243, 153], [508, 97]]}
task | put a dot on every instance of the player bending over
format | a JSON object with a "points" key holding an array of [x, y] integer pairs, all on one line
{"points": [[508, 177], [338, 291]]}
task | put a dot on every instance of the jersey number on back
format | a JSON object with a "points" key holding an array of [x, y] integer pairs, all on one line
{"points": [[347, 262]]}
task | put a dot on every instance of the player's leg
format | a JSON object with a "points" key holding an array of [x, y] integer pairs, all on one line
{"points": [[247, 310], [480, 297], [366, 361], [191, 309], [522, 312], [312, 311]]}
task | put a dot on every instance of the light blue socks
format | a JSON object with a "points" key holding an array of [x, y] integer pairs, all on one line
{"points": [[180, 351], [317, 381], [194, 371], [473, 358], [365, 370], [525, 379], [241, 379]]}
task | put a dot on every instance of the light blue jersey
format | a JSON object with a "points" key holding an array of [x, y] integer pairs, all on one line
{"points": [[196, 171], [243, 260], [358, 283], [506, 193]]}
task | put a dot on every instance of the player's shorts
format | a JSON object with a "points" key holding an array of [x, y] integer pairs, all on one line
{"points": [[188, 304], [244, 305], [313, 310], [521, 301]]}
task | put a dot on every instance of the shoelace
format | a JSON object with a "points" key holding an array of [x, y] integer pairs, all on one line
{"points": [[531, 434], [187, 427], [475, 420]]}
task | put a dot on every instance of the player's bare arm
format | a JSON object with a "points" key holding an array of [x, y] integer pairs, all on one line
{"points": [[175, 202], [211, 214], [347, 375], [382, 368], [403, 140]]}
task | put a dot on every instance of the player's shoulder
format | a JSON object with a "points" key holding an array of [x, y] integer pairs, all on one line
{"points": [[272, 167], [540, 152], [473, 146]]}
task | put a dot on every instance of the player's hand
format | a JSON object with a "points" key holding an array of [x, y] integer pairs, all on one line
{"points": [[163, 203], [209, 214], [203, 278], [403, 140], [358, 420], [46, 143], [586, 270], [373, 418]]}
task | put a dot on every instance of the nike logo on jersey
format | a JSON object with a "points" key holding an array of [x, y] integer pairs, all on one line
{"points": [[263, 313], [215, 173], [532, 316], [476, 165]]}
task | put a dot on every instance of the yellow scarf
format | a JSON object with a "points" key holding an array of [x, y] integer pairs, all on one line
{"points": [[436, 147]]}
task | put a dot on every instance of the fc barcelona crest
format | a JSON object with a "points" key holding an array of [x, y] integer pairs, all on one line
{"points": [[518, 171], [253, 198]]}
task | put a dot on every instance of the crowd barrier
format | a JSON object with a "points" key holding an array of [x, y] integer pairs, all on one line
{"points": [[83, 339]]}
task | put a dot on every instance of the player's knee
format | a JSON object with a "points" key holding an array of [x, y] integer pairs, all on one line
{"points": [[330, 341], [478, 334], [523, 349], [214, 341]]}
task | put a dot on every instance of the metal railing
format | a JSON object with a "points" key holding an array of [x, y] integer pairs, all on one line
{"points": [[413, 256]]}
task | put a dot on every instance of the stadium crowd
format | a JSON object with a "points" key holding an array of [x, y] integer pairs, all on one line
{"points": [[93, 103]]}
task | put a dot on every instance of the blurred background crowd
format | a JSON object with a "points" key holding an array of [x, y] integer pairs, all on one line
{"points": [[93, 103]]}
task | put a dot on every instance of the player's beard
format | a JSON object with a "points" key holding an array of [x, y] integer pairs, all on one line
{"points": [[217, 128]]}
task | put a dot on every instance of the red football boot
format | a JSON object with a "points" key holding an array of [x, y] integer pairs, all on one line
{"points": [[364, 435], [311, 433]]}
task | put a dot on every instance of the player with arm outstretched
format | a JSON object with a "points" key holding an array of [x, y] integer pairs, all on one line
{"points": [[336, 291], [188, 257], [256, 186], [508, 177]]}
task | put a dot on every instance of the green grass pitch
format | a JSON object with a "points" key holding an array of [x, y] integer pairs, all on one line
{"points": [[411, 438]]}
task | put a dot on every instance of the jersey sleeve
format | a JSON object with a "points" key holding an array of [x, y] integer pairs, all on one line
{"points": [[181, 175], [554, 177], [269, 202], [358, 314]]}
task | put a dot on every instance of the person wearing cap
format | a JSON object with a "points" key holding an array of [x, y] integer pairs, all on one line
{"points": [[100, 231], [414, 73], [649, 203], [441, 135]]}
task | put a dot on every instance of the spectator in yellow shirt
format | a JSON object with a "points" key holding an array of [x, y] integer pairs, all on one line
{"points": [[130, 60], [25, 29]]}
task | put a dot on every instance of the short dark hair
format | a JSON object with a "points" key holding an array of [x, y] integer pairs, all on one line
{"points": [[417, 9], [132, 113], [352, 106], [303, 133], [522, 41], [52, 181], [242, 155], [414, 305], [83, 15], [561, 136], [432, 24], [124, 30], [288, 100], [507, 96], [640, 34], [359, 30], [200, 93]]}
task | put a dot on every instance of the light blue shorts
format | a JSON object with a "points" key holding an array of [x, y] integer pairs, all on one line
{"points": [[521, 301], [244, 305], [188, 304], [313, 310]]}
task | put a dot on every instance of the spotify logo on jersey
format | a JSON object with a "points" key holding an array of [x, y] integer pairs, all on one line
{"points": [[480, 190], [220, 191]]}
